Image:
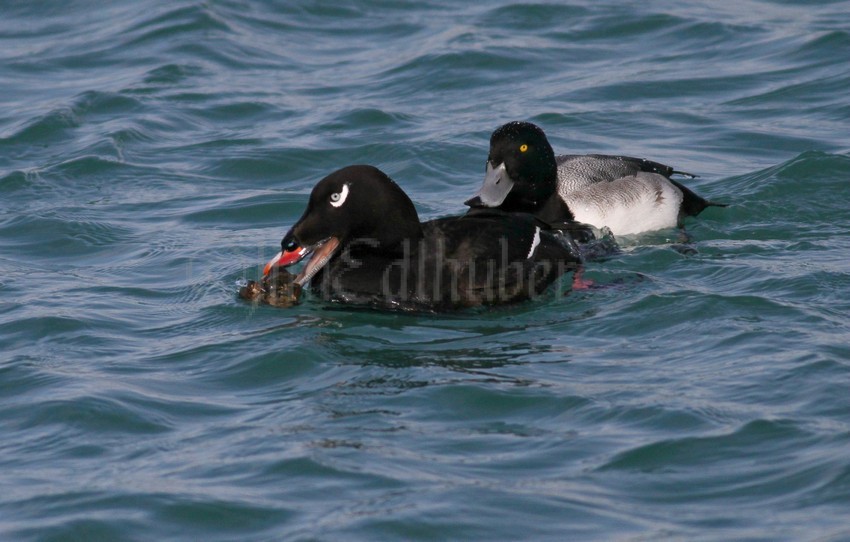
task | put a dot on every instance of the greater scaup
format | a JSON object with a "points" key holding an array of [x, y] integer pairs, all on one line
{"points": [[627, 195]]}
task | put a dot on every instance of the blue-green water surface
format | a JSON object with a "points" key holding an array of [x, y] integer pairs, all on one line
{"points": [[152, 154]]}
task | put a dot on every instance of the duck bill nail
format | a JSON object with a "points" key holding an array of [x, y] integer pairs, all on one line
{"points": [[322, 254], [496, 187], [271, 263]]}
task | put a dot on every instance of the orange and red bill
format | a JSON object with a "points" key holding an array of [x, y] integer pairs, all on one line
{"points": [[286, 258], [322, 253]]}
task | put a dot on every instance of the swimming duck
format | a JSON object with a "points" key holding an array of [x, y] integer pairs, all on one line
{"points": [[369, 248], [627, 195]]}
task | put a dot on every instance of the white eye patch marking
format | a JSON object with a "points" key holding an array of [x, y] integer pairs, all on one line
{"points": [[534, 243], [338, 198]]}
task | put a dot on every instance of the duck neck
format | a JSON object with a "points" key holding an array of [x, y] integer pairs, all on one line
{"points": [[554, 210], [398, 228]]}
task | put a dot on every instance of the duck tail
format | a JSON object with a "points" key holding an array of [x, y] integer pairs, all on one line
{"points": [[683, 174], [692, 204]]}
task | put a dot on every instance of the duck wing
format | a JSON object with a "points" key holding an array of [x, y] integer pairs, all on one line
{"points": [[577, 171], [492, 258]]}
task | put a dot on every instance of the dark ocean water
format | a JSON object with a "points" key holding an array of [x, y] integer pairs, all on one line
{"points": [[152, 154]]}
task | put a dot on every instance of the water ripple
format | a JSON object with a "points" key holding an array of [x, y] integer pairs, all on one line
{"points": [[152, 155]]}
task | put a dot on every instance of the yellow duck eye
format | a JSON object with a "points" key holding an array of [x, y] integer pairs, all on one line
{"points": [[523, 147]]}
